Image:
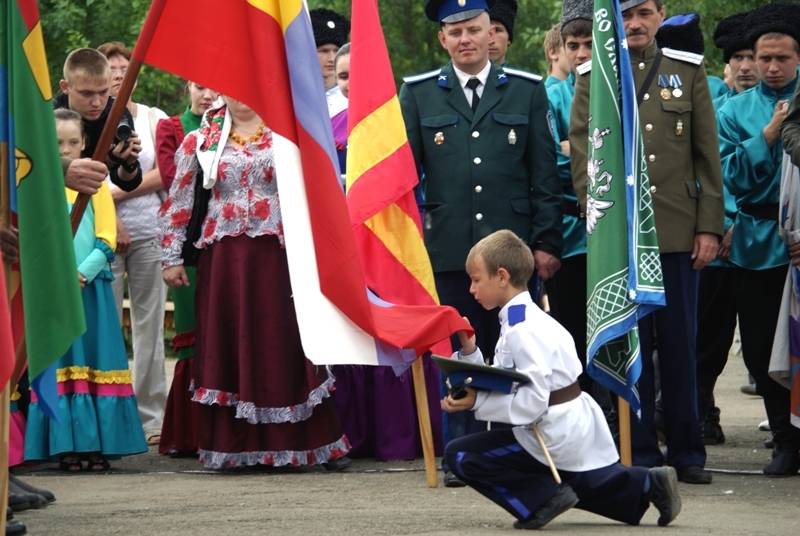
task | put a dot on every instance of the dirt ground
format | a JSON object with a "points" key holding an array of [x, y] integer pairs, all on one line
{"points": [[152, 494]]}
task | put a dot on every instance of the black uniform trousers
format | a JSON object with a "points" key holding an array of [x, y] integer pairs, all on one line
{"points": [[566, 294], [500, 469], [716, 326], [676, 326], [758, 295]]}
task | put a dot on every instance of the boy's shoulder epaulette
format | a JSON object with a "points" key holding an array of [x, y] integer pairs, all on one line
{"points": [[680, 55], [414, 78], [522, 74], [584, 68]]}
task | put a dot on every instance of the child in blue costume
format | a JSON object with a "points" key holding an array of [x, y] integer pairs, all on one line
{"points": [[98, 415]]}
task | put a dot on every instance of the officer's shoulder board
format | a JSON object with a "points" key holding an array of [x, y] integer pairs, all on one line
{"points": [[584, 67], [522, 74], [414, 78], [680, 55]]}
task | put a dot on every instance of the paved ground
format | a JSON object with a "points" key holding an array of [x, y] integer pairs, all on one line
{"points": [[151, 494]]}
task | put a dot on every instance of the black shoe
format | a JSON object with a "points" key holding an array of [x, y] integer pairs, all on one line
{"points": [[564, 499], [452, 481], [664, 493], [18, 502], [785, 462], [769, 444], [713, 434], [749, 389], [15, 528], [339, 464], [9, 513], [35, 500], [693, 474], [175, 453], [47, 495]]}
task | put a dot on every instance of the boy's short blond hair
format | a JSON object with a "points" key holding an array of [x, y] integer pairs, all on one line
{"points": [[552, 41], [86, 64], [504, 249]]}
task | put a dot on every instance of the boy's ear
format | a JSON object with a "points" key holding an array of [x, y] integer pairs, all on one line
{"points": [[64, 87], [504, 276]]}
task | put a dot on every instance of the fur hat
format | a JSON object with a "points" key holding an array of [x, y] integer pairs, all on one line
{"points": [[576, 9], [729, 35], [329, 27], [780, 17], [505, 11], [681, 32]]}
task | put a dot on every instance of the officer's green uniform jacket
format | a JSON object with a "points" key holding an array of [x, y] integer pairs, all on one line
{"points": [[680, 144], [484, 171], [752, 172], [560, 97]]}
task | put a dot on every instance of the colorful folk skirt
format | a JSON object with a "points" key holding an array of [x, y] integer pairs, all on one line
{"points": [[260, 400], [96, 406], [179, 430]]}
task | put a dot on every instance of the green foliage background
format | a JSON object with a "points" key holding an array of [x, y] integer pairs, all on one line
{"points": [[411, 38]]}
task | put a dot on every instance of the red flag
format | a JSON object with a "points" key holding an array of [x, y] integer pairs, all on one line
{"points": [[263, 54]]}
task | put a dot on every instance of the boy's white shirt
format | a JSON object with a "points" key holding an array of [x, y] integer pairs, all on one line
{"points": [[576, 433]]}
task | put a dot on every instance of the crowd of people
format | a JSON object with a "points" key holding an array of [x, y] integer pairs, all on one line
{"points": [[190, 202]]}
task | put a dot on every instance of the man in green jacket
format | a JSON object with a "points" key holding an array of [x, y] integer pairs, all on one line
{"points": [[480, 137]]}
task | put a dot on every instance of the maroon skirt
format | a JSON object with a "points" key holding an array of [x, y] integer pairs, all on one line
{"points": [[260, 400], [179, 430]]}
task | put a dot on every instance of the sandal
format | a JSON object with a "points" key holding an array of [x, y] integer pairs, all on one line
{"points": [[153, 437], [70, 464], [98, 465]]}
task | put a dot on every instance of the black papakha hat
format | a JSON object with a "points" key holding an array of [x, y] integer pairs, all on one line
{"points": [[329, 27], [576, 9], [681, 32], [729, 35], [779, 17], [505, 11]]}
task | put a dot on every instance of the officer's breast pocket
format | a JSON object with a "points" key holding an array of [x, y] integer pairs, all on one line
{"points": [[510, 132], [677, 117], [439, 134]]}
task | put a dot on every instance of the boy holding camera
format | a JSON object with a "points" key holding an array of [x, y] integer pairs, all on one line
{"points": [[85, 89], [509, 466]]}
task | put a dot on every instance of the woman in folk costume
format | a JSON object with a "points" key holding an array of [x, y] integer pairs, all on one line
{"points": [[98, 415], [260, 400], [179, 432]]}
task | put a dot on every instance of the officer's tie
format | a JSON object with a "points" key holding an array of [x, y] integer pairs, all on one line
{"points": [[473, 84]]}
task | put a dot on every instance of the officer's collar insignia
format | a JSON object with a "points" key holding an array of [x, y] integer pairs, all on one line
{"points": [[502, 78], [516, 314], [443, 80]]}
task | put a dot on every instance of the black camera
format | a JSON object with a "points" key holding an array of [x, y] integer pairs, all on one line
{"points": [[124, 131]]}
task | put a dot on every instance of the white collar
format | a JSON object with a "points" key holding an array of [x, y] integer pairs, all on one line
{"points": [[463, 77]]}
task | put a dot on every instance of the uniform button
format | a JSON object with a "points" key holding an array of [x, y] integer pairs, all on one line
{"points": [[475, 134], [479, 188], [479, 216], [477, 160], [652, 158], [641, 66], [653, 189], [648, 127], [646, 96]]}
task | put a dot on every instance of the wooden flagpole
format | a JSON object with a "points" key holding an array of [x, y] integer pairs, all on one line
{"points": [[5, 397], [424, 416], [624, 412]]}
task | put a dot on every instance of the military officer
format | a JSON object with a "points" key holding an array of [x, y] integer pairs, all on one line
{"points": [[752, 155], [480, 135], [681, 148]]}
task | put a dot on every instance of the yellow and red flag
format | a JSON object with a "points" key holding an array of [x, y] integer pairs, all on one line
{"points": [[381, 175]]}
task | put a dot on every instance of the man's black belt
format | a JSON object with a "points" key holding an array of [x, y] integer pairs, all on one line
{"points": [[571, 209], [762, 211]]}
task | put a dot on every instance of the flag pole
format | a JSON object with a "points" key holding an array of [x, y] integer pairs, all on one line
{"points": [[120, 102], [424, 417], [5, 397], [624, 412]]}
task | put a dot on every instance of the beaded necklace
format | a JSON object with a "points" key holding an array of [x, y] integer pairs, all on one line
{"points": [[255, 137]]}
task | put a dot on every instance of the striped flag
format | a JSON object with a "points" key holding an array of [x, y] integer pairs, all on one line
{"points": [[624, 279], [50, 294], [262, 53], [381, 175]]}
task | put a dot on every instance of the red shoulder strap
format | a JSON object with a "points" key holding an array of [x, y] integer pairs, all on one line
{"points": [[176, 121]]}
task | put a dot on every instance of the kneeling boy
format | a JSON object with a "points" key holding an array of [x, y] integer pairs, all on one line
{"points": [[508, 466]]}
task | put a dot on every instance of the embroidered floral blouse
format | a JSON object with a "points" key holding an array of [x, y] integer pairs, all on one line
{"points": [[243, 200]]}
